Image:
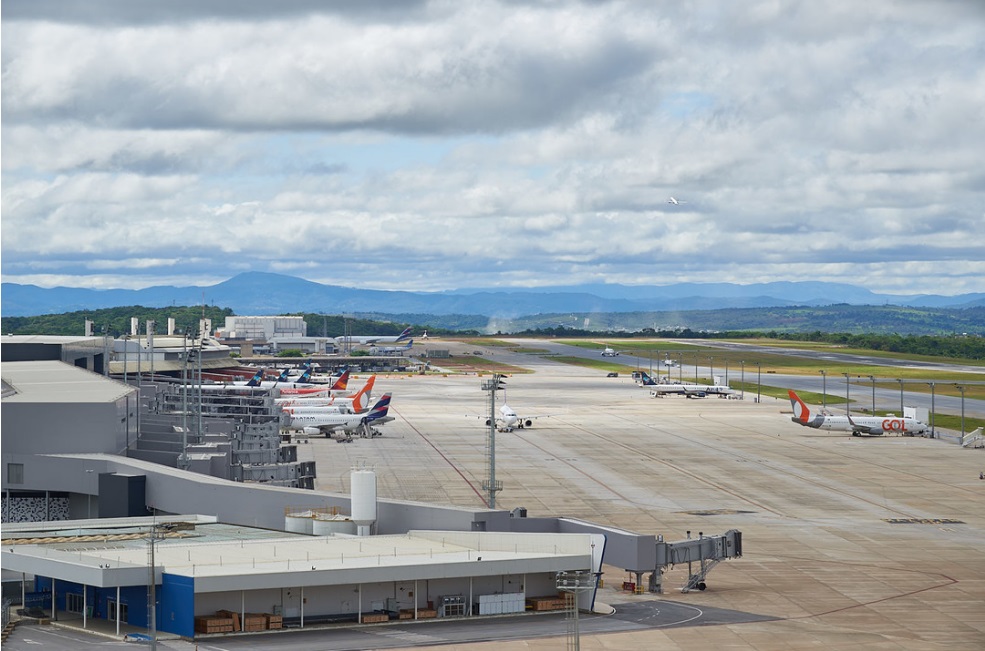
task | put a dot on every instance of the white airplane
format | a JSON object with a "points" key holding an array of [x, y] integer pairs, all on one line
{"points": [[373, 339], [859, 425], [609, 352], [674, 201], [670, 363], [329, 423], [353, 402], [660, 389], [425, 335], [391, 350], [508, 420], [338, 387]]}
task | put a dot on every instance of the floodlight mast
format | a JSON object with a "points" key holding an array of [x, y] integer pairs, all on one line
{"points": [[491, 485]]}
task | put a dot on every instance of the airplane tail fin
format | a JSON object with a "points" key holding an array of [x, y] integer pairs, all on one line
{"points": [[282, 377], [256, 379], [362, 396], [403, 335], [342, 382], [305, 376], [801, 412], [380, 409], [645, 379]]}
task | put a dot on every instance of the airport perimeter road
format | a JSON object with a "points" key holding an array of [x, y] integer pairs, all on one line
{"points": [[848, 542]]}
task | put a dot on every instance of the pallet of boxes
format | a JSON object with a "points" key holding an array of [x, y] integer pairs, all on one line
{"points": [[228, 621], [541, 604]]}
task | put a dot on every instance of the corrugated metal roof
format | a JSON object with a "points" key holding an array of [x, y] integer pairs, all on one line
{"points": [[57, 382]]}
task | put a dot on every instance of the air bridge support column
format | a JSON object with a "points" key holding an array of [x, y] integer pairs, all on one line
{"points": [[656, 581]]}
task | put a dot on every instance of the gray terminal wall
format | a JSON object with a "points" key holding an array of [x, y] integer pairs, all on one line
{"points": [[69, 427]]}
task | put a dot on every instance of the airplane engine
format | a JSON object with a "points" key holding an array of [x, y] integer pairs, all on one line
{"points": [[311, 431], [488, 422], [528, 423]]}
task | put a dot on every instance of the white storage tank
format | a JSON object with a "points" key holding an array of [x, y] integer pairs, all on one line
{"points": [[363, 496], [328, 525], [299, 522]]}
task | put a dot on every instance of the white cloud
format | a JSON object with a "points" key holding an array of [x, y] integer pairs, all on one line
{"points": [[441, 145]]}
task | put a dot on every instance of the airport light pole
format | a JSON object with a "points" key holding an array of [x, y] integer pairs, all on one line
{"points": [[491, 484], [848, 404], [742, 377], [759, 382], [900, 380], [824, 389], [711, 368], [961, 389], [726, 371], [933, 432], [680, 368], [872, 379]]}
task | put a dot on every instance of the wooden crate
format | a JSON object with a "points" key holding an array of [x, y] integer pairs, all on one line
{"points": [[406, 613], [212, 624], [375, 618], [426, 613], [546, 603], [255, 622], [274, 621], [230, 615]]}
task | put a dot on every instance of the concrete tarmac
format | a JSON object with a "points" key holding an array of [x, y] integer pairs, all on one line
{"points": [[875, 543]]}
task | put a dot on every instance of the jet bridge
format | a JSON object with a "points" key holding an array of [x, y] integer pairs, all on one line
{"points": [[701, 554]]}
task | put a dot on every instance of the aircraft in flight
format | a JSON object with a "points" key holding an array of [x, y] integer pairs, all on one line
{"points": [[329, 423], [674, 201], [858, 426], [373, 339]]}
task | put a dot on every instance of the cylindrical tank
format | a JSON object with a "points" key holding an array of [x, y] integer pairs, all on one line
{"points": [[298, 522], [332, 524], [363, 496]]}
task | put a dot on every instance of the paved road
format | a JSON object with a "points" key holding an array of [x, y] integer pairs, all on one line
{"points": [[632, 616]]}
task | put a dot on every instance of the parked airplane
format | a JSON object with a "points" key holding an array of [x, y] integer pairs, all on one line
{"points": [[339, 386], [688, 390], [674, 201], [347, 423], [373, 339], [858, 425], [391, 350], [355, 402], [258, 382]]}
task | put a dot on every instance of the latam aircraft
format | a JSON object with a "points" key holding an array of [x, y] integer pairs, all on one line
{"points": [[859, 425], [348, 423]]}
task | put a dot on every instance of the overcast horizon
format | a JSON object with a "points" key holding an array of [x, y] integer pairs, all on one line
{"points": [[427, 146]]}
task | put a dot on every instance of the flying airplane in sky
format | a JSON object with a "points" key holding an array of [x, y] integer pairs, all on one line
{"points": [[674, 201], [328, 423], [858, 425], [373, 339]]}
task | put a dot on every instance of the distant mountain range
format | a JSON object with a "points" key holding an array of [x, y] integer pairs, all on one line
{"points": [[259, 293]]}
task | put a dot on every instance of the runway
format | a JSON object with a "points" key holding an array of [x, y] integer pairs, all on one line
{"points": [[848, 542]]}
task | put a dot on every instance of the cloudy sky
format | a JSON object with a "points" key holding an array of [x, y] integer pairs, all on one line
{"points": [[442, 145]]}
